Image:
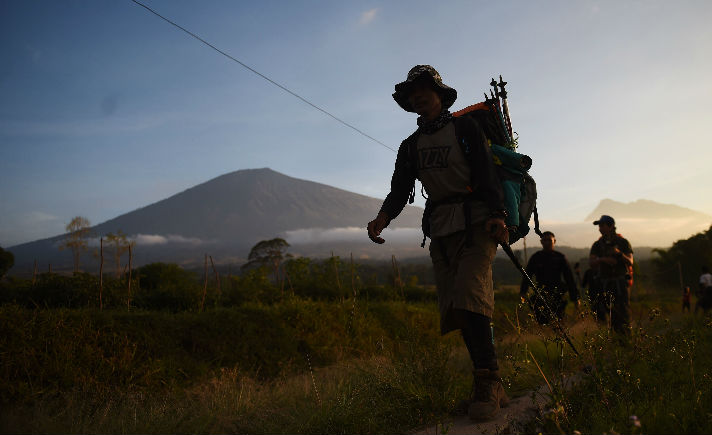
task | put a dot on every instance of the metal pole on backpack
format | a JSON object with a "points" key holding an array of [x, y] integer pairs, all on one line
{"points": [[556, 323], [505, 105]]}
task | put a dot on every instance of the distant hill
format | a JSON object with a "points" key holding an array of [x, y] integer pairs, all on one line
{"points": [[646, 209], [642, 222], [226, 216]]}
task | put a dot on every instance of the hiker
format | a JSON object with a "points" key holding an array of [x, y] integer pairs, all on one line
{"points": [[612, 258], [464, 218], [548, 266], [705, 299], [686, 296]]}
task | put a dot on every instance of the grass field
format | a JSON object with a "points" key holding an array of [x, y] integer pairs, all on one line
{"points": [[300, 366]]}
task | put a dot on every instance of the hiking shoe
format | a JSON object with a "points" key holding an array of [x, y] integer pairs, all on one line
{"points": [[489, 396]]}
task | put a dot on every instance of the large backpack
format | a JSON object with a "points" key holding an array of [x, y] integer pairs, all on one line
{"points": [[518, 186]]}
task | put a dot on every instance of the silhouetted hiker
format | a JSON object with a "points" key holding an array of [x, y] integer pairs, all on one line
{"points": [[464, 218], [705, 299], [612, 258], [549, 267], [686, 295]]}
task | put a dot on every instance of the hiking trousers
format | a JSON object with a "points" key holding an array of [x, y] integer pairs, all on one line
{"points": [[463, 274], [619, 293]]}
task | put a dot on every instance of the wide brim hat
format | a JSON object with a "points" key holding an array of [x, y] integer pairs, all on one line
{"points": [[448, 95]]}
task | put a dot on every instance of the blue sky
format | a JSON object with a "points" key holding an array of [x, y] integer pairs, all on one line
{"points": [[104, 108]]}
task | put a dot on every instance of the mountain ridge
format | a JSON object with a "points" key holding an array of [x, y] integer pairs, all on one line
{"points": [[225, 216]]}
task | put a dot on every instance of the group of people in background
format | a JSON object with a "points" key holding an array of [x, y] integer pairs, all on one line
{"points": [[608, 279]]}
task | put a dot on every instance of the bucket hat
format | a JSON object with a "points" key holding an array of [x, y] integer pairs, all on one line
{"points": [[448, 94]]}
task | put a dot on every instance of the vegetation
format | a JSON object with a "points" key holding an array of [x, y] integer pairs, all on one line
{"points": [[682, 263], [7, 260], [76, 240], [336, 347]]}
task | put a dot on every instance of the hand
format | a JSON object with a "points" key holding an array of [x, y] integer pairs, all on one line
{"points": [[497, 229], [376, 226]]}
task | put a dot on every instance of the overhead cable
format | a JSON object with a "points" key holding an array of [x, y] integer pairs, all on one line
{"points": [[260, 74]]}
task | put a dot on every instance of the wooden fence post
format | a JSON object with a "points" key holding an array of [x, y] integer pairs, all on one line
{"points": [[217, 276], [205, 285], [101, 273], [129, 298]]}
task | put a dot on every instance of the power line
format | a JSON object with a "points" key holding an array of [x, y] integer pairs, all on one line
{"points": [[260, 74]]}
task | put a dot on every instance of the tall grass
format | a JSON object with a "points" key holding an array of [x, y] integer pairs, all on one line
{"points": [[299, 366]]}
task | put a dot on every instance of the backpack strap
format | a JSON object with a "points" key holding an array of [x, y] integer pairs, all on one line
{"points": [[411, 144]]}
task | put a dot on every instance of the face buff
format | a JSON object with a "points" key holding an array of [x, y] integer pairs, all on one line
{"points": [[436, 124]]}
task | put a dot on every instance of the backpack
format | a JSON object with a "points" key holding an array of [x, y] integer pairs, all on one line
{"points": [[518, 187]]}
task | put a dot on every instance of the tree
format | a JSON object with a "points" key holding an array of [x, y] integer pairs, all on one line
{"points": [[7, 260], [268, 252], [121, 246], [76, 240], [685, 257]]}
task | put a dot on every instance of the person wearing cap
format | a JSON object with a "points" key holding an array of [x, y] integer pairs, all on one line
{"points": [[464, 218], [548, 267], [612, 257]]}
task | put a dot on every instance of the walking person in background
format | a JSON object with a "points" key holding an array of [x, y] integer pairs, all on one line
{"points": [[464, 218], [705, 299], [548, 267], [612, 257], [686, 295]]}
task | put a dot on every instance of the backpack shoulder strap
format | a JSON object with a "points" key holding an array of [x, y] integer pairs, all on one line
{"points": [[465, 128], [410, 145]]}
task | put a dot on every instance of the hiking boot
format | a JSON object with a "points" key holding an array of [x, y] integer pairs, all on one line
{"points": [[489, 396], [463, 405]]}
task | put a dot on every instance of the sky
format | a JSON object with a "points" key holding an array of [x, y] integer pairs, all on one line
{"points": [[106, 108]]}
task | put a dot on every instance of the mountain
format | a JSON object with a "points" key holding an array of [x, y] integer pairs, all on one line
{"points": [[646, 210], [227, 215], [642, 222]]}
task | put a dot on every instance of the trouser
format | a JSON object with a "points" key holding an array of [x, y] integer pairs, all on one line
{"points": [[618, 293], [477, 333], [547, 304]]}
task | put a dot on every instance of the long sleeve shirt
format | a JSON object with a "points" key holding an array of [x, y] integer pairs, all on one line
{"points": [[548, 268], [484, 179]]}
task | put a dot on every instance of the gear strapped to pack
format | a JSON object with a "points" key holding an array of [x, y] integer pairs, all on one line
{"points": [[518, 186]]}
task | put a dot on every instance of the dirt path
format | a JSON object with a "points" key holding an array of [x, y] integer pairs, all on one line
{"points": [[511, 420]]}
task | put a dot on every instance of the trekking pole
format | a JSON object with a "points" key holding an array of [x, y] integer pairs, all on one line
{"points": [[557, 324], [505, 105]]}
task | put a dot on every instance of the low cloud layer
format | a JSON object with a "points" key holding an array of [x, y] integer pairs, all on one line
{"points": [[348, 234], [154, 239]]}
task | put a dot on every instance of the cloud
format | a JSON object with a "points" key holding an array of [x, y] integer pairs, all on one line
{"points": [[368, 16], [348, 234], [156, 239]]}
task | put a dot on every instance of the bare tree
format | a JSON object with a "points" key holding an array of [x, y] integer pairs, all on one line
{"points": [[76, 240], [121, 245]]}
